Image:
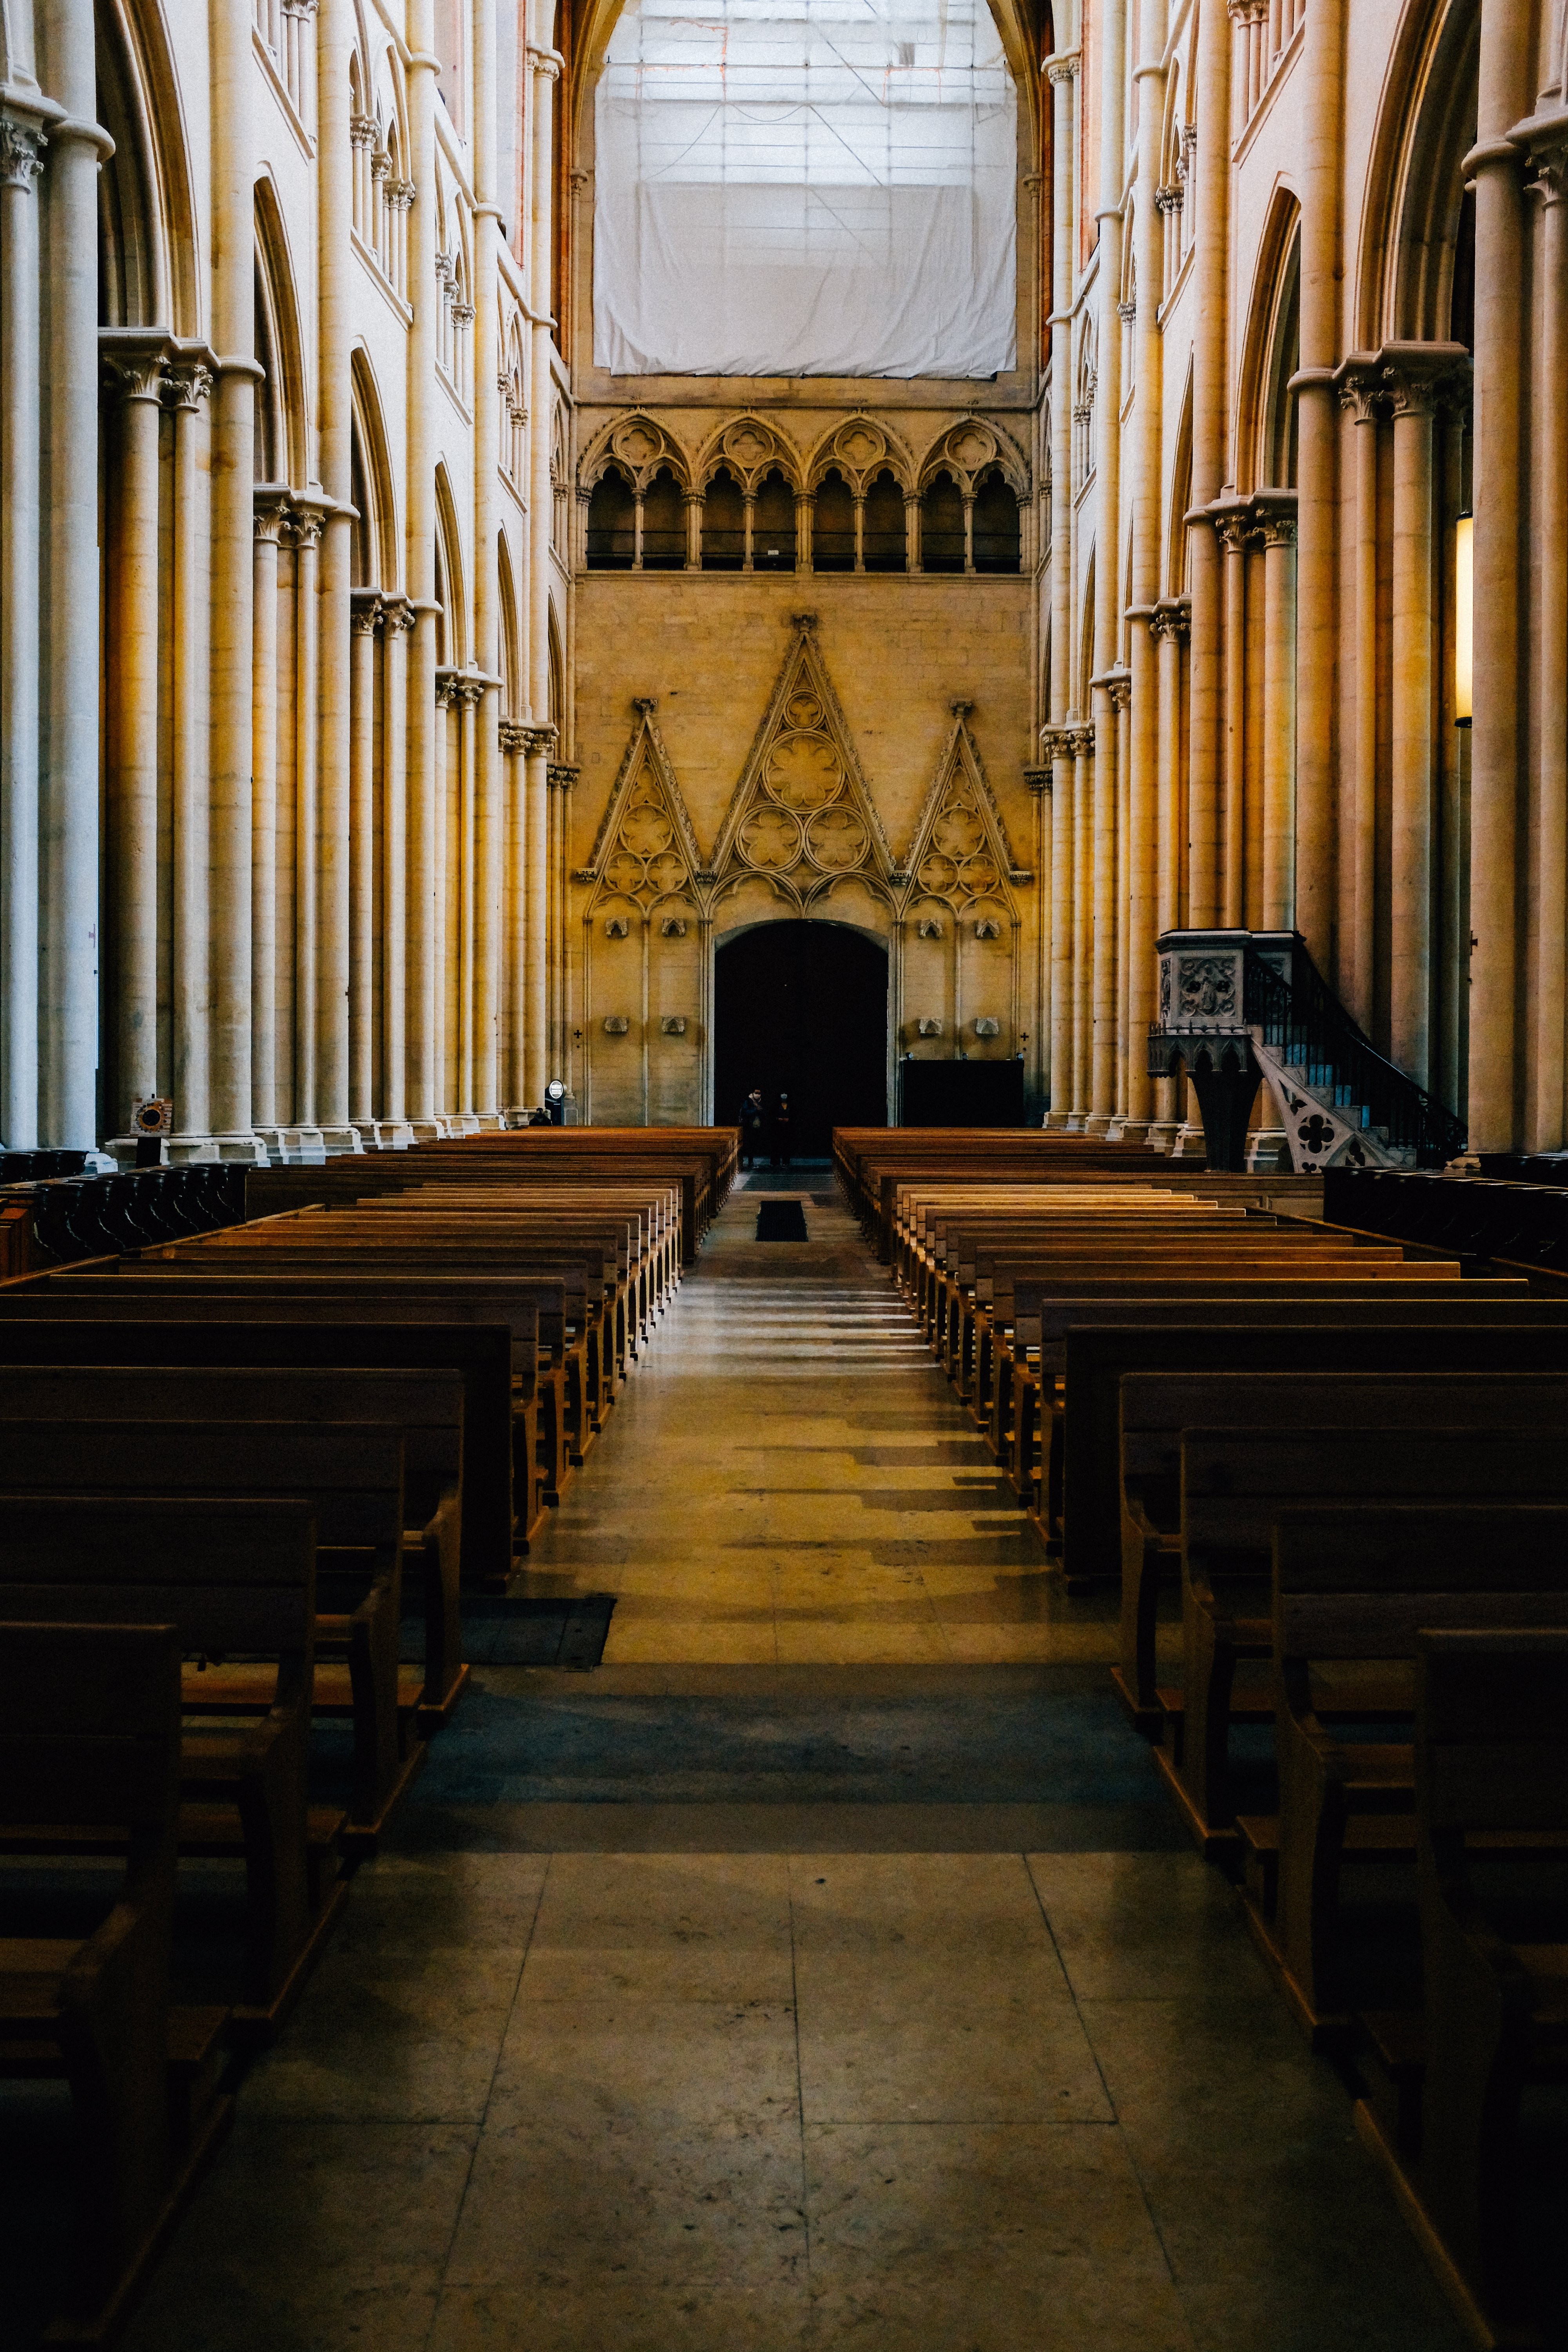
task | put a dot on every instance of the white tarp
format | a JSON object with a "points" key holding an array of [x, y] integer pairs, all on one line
{"points": [[806, 187]]}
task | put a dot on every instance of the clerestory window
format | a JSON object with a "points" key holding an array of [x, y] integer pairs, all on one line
{"points": [[806, 187]]}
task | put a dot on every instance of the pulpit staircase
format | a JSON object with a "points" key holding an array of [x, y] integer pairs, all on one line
{"points": [[1239, 1005]]}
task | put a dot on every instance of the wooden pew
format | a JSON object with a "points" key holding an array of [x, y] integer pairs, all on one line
{"points": [[1351, 1591], [1060, 1304], [89, 1737], [532, 1310], [234, 1577], [172, 1331], [1268, 1380], [1237, 1482], [1491, 1770], [352, 1475], [425, 1407]]}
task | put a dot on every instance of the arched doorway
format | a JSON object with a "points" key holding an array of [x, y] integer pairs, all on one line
{"points": [[802, 1009]]}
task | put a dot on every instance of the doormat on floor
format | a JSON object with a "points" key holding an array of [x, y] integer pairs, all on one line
{"points": [[782, 1221], [567, 1632]]}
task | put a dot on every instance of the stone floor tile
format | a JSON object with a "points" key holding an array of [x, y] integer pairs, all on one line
{"points": [[310, 2237], [705, 2315], [635, 1640], [649, 2063], [404, 1902], [939, 2051], [382, 2036], [1133, 1926], [663, 1927], [860, 1643], [574, 2200]]}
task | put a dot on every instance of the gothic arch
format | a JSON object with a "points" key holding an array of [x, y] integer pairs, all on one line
{"points": [[511, 669], [748, 446], [859, 448], [639, 445], [383, 538], [449, 556], [969, 449], [1267, 322], [1404, 281], [275, 284], [1178, 538]]}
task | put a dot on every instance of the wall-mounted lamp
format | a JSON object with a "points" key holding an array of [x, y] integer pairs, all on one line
{"points": [[1464, 617]]}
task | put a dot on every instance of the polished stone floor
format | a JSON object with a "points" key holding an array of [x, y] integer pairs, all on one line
{"points": [[824, 1971]]}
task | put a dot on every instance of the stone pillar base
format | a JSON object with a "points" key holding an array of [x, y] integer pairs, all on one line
{"points": [[296, 1147], [1267, 1151], [1056, 1122], [1099, 1122], [462, 1122], [489, 1122], [1130, 1130], [388, 1135], [341, 1138], [427, 1130], [1189, 1143], [1163, 1134]]}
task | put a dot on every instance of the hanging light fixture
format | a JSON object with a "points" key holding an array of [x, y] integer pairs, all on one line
{"points": [[1464, 617]]}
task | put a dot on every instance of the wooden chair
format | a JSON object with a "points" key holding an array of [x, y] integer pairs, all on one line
{"points": [[89, 1736]]}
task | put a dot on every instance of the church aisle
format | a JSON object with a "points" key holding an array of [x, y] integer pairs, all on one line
{"points": [[822, 1972]]}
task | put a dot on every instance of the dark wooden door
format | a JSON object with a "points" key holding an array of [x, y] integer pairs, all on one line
{"points": [[802, 1009]]}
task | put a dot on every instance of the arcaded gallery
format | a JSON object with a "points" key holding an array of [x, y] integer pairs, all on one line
{"points": [[784, 1175]]}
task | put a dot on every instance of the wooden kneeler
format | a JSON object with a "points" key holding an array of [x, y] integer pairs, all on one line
{"points": [[90, 1736]]}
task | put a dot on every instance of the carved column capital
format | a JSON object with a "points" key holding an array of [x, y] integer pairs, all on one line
{"points": [[1119, 687], [270, 510], [186, 383], [1038, 780], [1080, 743], [513, 736], [1063, 68], [362, 130], [1172, 620], [1056, 742], [365, 611], [22, 146], [562, 775], [397, 614]]}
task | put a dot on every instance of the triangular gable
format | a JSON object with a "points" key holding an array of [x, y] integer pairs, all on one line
{"points": [[960, 853], [802, 817], [646, 848]]}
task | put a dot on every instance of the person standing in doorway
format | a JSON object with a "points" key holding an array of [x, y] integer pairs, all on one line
{"points": [[750, 1125], [781, 1132]]}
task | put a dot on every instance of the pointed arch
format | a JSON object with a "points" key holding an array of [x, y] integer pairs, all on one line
{"points": [[510, 659], [277, 316], [451, 592], [1404, 280], [150, 249], [383, 538], [1178, 538], [1265, 408]]}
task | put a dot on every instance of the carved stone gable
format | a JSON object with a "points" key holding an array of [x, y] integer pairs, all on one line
{"points": [[646, 851], [802, 818], [960, 853]]}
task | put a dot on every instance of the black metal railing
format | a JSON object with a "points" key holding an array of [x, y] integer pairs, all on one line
{"points": [[1303, 1023]]}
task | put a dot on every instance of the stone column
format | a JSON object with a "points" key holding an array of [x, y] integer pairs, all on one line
{"points": [[1497, 865], [1546, 1129], [484, 1033], [692, 500], [1317, 475], [968, 530], [1038, 780], [1279, 531], [137, 373], [858, 501], [367, 617], [468, 696], [67, 964], [560, 776], [546, 68], [1169, 625], [1211, 299], [230, 817], [514, 738], [335, 281], [1056, 746], [1110, 936], [1143, 744], [1062, 75], [911, 529], [1360, 392], [1232, 533], [1081, 742], [805, 506], [1413, 802], [188, 386], [21, 161], [395, 732], [1110, 525], [749, 530], [538, 744], [305, 529], [424, 295], [271, 508]]}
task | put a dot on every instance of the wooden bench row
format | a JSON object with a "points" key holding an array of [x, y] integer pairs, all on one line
{"points": [[257, 1462]]}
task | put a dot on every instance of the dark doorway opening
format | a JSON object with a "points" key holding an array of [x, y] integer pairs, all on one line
{"points": [[802, 1009]]}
